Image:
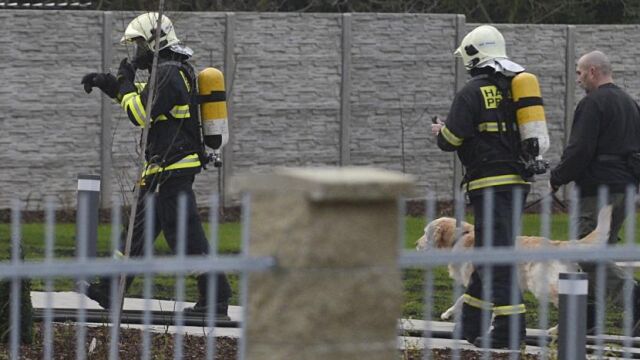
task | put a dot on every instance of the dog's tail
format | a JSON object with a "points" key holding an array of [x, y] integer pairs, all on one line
{"points": [[600, 235]]}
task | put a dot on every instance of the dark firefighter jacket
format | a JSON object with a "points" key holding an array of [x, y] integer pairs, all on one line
{"points": [[605, 122], [487, 150], [174, 140]]}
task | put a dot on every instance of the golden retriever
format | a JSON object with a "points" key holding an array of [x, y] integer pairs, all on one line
{"points": [[536, 277]]}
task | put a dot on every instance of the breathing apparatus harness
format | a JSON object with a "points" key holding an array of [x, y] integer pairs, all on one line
{"points": [[163, 161], [508, 135]]}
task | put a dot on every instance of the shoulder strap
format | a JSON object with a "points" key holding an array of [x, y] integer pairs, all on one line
{"points": [[187, 68]]}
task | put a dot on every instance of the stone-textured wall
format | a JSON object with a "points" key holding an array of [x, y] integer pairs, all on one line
{"points": [[287, 84], [49, 128], [402, 74]]}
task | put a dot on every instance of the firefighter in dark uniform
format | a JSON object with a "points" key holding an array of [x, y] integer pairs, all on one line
{"points": [[484, 134], [174, 151], [605, 132]]}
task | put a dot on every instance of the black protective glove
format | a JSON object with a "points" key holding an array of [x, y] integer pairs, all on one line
{"points": [[105, 82], [126, 77], [126, 71]]}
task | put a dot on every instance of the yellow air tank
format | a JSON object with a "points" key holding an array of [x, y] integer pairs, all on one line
{"points": [[532, 124], [213, 108]]}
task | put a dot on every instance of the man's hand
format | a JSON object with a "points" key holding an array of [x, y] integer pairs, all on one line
{"points": [[436, 125], [105, 82]]}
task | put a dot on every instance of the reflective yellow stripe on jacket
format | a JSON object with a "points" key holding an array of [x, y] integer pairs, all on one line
{"points": [[491, 126], [133, 102], [178, 112], [510, 179], [450, 137], [189, 161]]}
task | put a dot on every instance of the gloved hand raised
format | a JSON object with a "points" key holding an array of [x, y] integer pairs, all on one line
{"points": [[105, 82], [126, 71]]}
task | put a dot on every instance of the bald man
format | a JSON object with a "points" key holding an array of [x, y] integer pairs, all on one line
{"points": [[605, 130]]}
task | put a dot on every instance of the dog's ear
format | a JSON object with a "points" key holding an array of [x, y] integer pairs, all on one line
{"points": [[447, 233], [433, 234]]}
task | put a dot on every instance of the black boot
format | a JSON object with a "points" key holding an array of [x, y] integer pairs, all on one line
{"points": [[222, 305], [100, 291], [501, 335], [469, 327], [591, 319]]}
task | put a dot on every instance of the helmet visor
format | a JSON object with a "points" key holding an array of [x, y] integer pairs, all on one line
{"points": [[143, 56]]}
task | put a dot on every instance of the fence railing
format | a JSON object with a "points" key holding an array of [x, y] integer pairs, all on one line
{"points": [[323, 254]]}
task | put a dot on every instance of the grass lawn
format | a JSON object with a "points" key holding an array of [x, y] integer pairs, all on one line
{"points": [[229, 235], [34, 249]]}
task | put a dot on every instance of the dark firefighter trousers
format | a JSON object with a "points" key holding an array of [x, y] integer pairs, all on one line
{"points": [[500, 303], [170, 185]]}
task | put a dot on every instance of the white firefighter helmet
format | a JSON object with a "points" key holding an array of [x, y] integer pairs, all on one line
{"points": [[145, 26], [480, 45]]}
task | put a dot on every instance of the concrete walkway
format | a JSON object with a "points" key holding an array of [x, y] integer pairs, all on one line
{"points": [[73, 300]]}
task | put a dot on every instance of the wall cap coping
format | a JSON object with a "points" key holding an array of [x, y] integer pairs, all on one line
{"points": [[329, 183]]}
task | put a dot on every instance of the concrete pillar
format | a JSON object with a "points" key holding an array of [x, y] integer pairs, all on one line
{"points": [[336, 292], [87, 215], [572, 316]]}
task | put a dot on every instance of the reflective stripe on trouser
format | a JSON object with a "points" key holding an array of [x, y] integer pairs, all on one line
{"points": [[497, 310], [189, 161], [477, 303], [489, 181], [509, 310]]}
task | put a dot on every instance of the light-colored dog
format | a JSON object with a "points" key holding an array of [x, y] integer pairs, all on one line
{"points": [[537, 277]]}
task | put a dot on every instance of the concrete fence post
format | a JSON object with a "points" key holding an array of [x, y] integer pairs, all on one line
{"points": [[87, 215], [336, 292], [572, 313]]}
